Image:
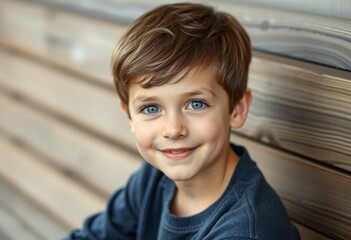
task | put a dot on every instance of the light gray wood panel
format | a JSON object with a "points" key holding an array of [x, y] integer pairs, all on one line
{"points": [[23, 21], [13, 228], [315, 38], [73, 41], [302, 108], [29, 214], [331, 8], [310, 37], [54, 191], [105, 166], [2, 235], [315, 196], [70, 96], [117, 11]]}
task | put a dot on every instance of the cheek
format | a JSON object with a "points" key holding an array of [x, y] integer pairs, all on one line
{"points": [[214, 128], [144, 133], [142, 140]]}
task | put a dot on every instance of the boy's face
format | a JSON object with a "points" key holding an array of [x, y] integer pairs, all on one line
{"points": [[183, 128]]}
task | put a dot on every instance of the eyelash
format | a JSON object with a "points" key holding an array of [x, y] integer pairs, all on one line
{"points": [[145, 107]]}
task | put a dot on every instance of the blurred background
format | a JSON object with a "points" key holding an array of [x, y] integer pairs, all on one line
{"points": [[65, 146]]}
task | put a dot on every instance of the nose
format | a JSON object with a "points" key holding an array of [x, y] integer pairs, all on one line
{"points": [[175, 127]]}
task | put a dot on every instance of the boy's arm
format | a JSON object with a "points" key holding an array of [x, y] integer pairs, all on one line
{"points": [[119, 221]]}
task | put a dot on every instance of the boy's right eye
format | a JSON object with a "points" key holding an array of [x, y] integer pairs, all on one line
{"points": [[150, 109]]}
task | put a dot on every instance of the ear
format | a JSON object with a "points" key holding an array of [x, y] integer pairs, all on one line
{"points": [[241, 109], [125, 109]]}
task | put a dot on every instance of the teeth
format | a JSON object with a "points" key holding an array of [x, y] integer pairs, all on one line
{"points": [[176, 151], [180, 151]]}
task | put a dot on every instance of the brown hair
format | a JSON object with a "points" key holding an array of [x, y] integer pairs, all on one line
{"points": [[165, 43]]}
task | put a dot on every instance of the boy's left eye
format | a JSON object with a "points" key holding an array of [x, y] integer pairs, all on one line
{"points": [[196, 105]]}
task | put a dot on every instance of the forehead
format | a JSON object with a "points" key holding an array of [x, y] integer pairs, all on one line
{"points": [[196, 75], [197, 81]]}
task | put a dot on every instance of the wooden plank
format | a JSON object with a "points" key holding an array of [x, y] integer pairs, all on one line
{"points": [[308, 234], [12, 228], [308, 37], [101, 164], [23, 21], [69, 96], [3, 236], [315, 196], [116, 11], [30, 215], [302, 108], [330, 8], [54, 191], [70, 40]]}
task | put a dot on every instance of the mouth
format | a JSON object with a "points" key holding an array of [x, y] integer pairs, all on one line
{"points": [[178, 153]]}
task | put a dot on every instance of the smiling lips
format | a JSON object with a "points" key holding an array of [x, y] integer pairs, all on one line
{"points": [[178, 153]]}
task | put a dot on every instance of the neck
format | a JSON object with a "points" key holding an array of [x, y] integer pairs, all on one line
{"points": [[196, 195]]}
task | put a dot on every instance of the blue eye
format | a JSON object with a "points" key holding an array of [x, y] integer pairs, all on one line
{"points": [[151, 109], [197, 105]]}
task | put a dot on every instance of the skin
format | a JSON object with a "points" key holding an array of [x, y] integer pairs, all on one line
{"points": [[183, 129]]}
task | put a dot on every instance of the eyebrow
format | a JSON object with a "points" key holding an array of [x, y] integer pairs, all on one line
{"points": [[199, 91]]}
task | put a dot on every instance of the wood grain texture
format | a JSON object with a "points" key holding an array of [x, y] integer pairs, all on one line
{"points": [[43, 225], [308, 234], [13, 228], [308, 37], [302, 108], [54, 191], [104, 166], [79, 42], [330, 8], [67, 95]]}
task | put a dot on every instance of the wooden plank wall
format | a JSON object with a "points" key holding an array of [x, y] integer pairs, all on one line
{"points": [[65, 146]]}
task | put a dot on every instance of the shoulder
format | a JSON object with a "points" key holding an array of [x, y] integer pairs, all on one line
{"points": [[254, 210], [257, 214]]}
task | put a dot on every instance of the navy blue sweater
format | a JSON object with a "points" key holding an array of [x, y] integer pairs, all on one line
{"points": [[248, 209]]}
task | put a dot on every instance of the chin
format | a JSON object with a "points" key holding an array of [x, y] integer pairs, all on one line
{"points": [[178, 177]]}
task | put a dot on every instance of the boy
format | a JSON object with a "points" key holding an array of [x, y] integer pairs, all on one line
{"points": [[181, 74]]}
